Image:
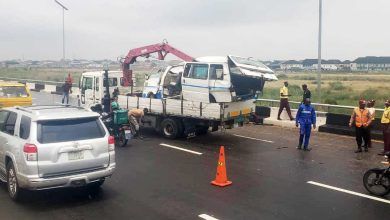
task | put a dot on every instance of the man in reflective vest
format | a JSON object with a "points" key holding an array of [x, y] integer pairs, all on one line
{"points": [[385, 121], [306, 117], [284, 101], [362, 118]]}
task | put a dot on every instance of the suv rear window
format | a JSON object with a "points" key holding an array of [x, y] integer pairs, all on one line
{"points": [[69, 130]]}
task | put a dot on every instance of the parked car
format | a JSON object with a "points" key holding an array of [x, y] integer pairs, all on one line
{"points": [[44, 147], [14, 94]]}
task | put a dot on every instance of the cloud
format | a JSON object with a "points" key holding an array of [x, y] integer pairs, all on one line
{"points": [[267, 29]]}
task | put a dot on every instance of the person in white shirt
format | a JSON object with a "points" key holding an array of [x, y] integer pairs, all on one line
{"points": [[371, 110]]}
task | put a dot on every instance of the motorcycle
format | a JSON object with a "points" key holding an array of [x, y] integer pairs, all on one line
{"points": [[377, 180], [122, 132]]}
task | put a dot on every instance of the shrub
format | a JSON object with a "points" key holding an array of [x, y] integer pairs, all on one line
{"points": [[294, 90], [336, 85], [282, 76], [330, 101], [315, 82]]}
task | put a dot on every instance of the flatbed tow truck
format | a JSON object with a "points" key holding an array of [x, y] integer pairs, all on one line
{"points": [[216, 93]]}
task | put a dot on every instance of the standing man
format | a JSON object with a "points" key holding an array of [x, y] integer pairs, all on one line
{"points": [[306, 93], [362, 118], [306, 117], [284, 101], [66, 89], [385, 121]]}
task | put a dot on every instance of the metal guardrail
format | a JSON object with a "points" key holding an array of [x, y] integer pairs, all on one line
{"points": [[31, 81], [326, 108]]}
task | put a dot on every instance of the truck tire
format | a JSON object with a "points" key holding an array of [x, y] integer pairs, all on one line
{"points": [[151, 95], [202, 130], [14, 191], [170, 128]]}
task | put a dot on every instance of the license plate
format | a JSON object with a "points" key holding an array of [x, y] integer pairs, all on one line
{"points": [[77, 155], [128, 134]]}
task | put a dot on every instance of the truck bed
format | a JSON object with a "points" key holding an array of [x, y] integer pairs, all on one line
{"points": [[184, 108]]}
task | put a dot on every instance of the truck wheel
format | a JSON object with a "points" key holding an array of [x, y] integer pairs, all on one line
{"points": [[12, 183], [151, 95], [170, 128], [202, 130]]}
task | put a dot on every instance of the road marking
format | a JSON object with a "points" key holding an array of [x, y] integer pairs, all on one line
{"points": [[207, 217], [377, 141], [182, 149], [349, 192], [257, 139]]}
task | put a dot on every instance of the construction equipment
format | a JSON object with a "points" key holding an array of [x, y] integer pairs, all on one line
{"points": [[162, 49]]}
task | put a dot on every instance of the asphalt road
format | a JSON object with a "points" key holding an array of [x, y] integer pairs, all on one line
{"points": [[269, 181], [43, 98]]}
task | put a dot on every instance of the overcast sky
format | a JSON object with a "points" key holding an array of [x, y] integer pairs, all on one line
{"points": [[265, 29]]}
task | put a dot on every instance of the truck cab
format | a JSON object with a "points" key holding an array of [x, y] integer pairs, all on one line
{"points": [[92, 86], [210, 80]]}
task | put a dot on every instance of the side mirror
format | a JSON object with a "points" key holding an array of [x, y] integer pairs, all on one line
{"points": [[147, 76]]}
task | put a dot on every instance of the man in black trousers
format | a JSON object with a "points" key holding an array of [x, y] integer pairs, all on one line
{"points": [[306, 93]]}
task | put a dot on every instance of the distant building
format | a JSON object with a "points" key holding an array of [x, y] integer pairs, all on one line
{"points": [[308, 64], [328, 65], [371, 63], [291, 65], [345, 65], [275, 65]]}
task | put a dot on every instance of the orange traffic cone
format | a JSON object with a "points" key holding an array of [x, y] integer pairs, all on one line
{"points": [[221, 177]]}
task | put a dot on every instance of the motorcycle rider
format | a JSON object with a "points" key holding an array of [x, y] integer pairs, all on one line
{"points": [[305, 118]]}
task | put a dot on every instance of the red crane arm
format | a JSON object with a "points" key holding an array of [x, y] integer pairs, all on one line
{"points": [[161, 49]]}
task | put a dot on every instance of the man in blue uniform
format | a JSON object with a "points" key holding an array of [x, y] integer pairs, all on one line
{"points": [[306, 117]]}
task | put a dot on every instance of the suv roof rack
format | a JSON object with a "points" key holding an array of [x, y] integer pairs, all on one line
{"points": [[23, 109], [45, 107]]}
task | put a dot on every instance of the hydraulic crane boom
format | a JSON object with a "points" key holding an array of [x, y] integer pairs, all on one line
{"points": [[162, 49]]}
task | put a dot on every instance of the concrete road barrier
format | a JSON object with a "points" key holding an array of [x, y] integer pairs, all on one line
{"points": [[38, 87], [339, 124], [285, 122]]}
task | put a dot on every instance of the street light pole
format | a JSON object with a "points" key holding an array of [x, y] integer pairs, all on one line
{"points": [[63, 28], [319, 52]]}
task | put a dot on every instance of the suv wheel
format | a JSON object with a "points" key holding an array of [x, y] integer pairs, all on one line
{"points": [[12, 183]]}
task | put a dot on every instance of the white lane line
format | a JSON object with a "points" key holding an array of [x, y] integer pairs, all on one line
{"points": [[349, 192], [207, 217], [182, 149], [381, 142], [256, 139]]}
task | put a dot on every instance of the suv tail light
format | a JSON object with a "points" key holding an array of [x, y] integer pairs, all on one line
{"points": [[111, 143], [31, 152]]}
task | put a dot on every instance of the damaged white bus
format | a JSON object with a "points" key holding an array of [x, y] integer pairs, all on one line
{"points": [[210, 80]]}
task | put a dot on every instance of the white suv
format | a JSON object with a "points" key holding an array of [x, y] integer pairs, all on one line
{"points": [[45, 147]]}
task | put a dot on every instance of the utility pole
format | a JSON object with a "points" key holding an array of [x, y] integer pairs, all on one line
{"points": [[319, 52], [63, 28]]}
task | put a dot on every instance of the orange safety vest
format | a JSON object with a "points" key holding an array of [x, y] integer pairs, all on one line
{"points": [[361, 117]]}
